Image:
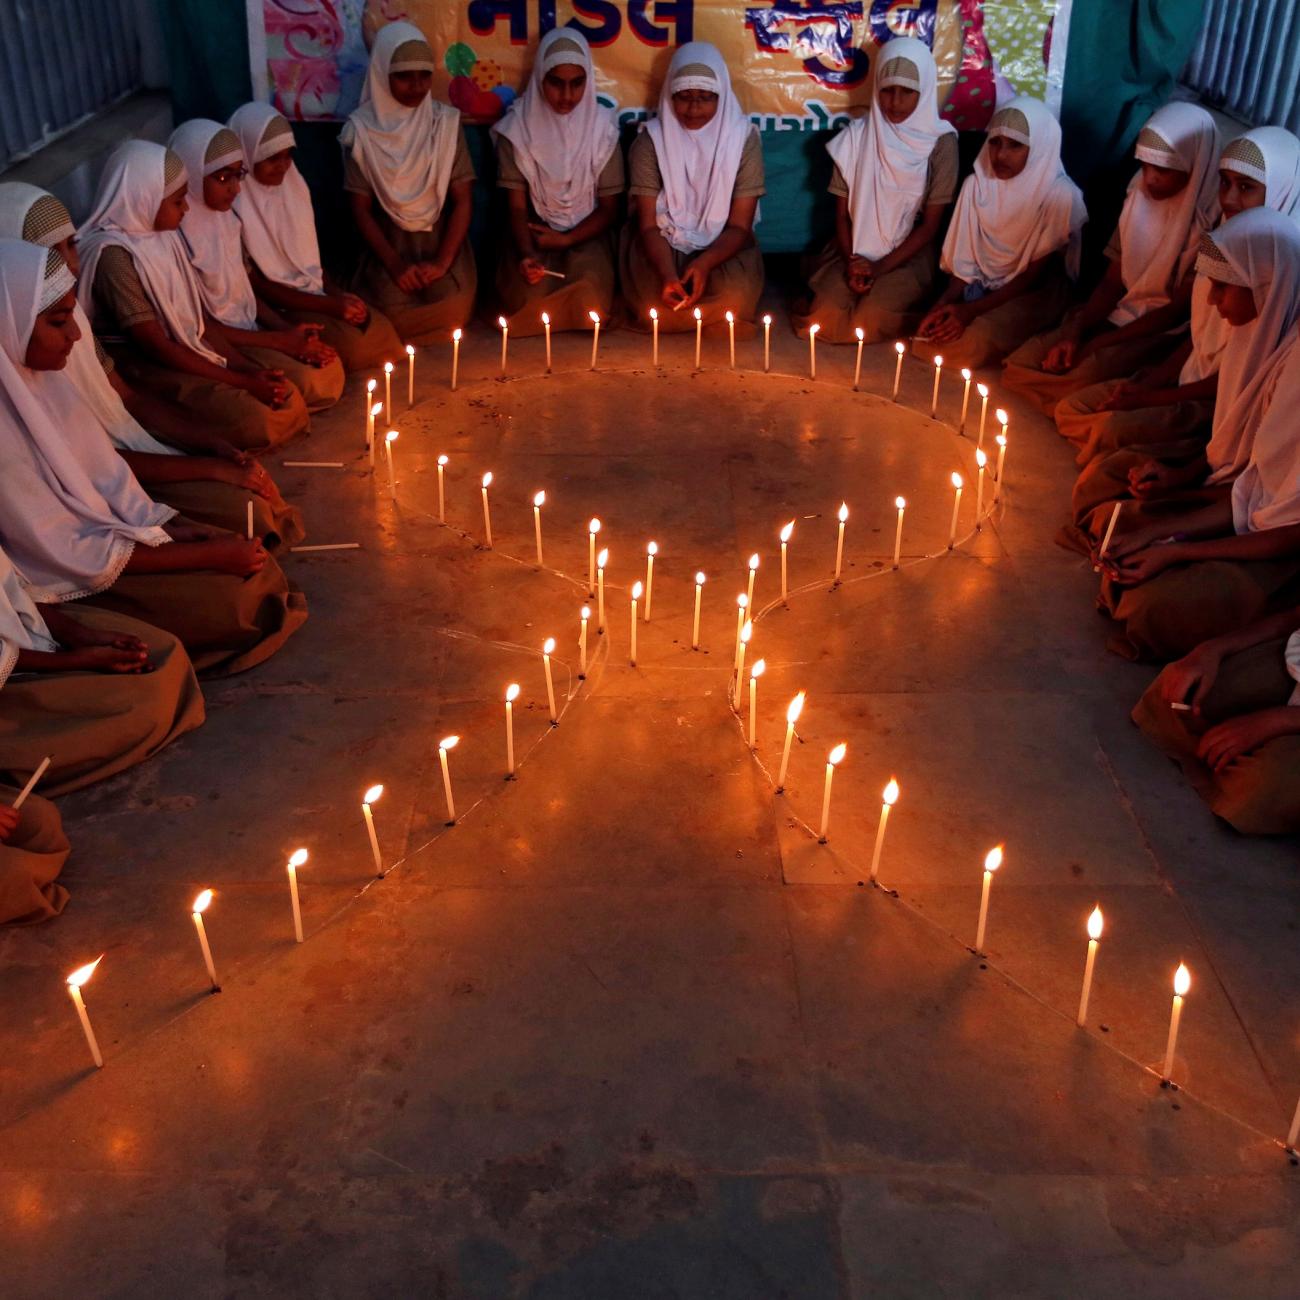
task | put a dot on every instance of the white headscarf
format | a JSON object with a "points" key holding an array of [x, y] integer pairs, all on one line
{"points": [[71, 511], [1270, 155], [1000, 227], [1259, 250], [1267, 492], [884, 166], [561, 155], [21, 624], [406, 154], [279, 224], [1158, 239], [83, 367], [697, 168], [213, 239], [130, 191], [1292, 657]]}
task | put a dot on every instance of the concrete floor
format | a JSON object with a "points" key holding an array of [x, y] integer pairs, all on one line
{"points": [[626, 1031]]}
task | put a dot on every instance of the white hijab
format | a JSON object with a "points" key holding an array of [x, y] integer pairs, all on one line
{"points": [[83, 367], [21, 624], [697, 168], [71, 511], [406, 154], [1267, 492], [884, 166], [1260, 250], [279, 224], [130, 191], [1158, 239], [561, 156], [1000, 227], [213, 239]]}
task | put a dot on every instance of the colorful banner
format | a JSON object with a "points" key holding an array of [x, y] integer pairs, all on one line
{"points": [[796, 65]]}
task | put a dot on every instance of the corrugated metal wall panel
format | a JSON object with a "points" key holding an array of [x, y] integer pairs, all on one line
{"points": [[1248, 61]]}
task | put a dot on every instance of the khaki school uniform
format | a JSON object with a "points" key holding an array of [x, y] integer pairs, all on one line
{"points": [[1096, 433], [30, 861]]}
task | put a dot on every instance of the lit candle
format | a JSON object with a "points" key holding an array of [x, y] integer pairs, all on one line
{"points": [[375, 410], [388, 390], [887, 800], [539, 500], [31, 783], [767, 344], [753, 573], [505, 342], [636, 596], [835, 757], [442, 493], [742, 604], [731, 337], [759, 668], [594, 317], [651, 550], [746, 635], [956, 506], [1182, 982], [901, 505], [981, 461], [455, 357], [786, 534], [1110, 528], [695, 626], [445, 746], [992, 861], [699, 330], [983, 391], [368, 799], [812, 351], [295, 861], [371, 385], [410, 375], [791, 717], [934, 396], [965, 399], [1094, 936], [601, 561], [582, 642], [512, 694], [389, 438], [487, 512], [197, 908], [898, 367], [548, 649], [857, 365], [1001, 440], [839, 545], [546, 325], [75, 981], [1001, 417], [654, 335], [592, 529]]}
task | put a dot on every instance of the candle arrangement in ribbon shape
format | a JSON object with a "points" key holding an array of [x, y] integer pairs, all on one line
{"points": [[839, 543], [512, 694], [731, 337], [992, 861], [786, 533], [857, 365], [833, 760], [455, 357], [812, 351], [1182, 982], [548, 649], [759, 668], [1094, 938], [965, 398], [746, 635], [699, 599], [654, 336], [601, 560], [583, 618], [296, 860], [791, 717], [445, 746], [410, 375], [388, 390], [594, 317], [539, 500], [956, 506], [753, 574], [636, 596], [442, 490], [699, 334], [592, 529], [651, 550], [888, 798], [934, 396], [389, 438], [368, 801], [899, 348], [546, 325], [505, 342], [197, 908], [75, 982], [983, 391], [485, 483], [900, 504], [767, 344]]}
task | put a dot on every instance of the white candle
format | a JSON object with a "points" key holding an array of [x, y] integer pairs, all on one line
{"points": [[505, 342], [835, 757], [699, 330], [887, 800], [74, 983], [965, 398], [410, 375], [839, 545], [296, 860], [582, 642], [791, 717], [760, 666], [992, 861], [767, 344], [594, 317], [786, 534], [901, 505], [371, 385], [812, 351], [546, 325], [898, 368], [539, 500], [742, 604], [1294, 1131], [636, 596], [934, 396], [981, 461], [654, 335], [731, 337], [388, 390], [389, 438], [455, 357], [753, 573], [1094, 936], [695, 626], [857, 365], [746, 635], [548, 649], [31, 783], [956, 506], [998, 477], [651, 550], [445, 746], [1110, 528], [375, 410], [601, 561], [1182, 982], [442, 494], [487, 511], [592, 529], [983, 391], [197, 908], [512, 694], [368, 799], [250, 519]]}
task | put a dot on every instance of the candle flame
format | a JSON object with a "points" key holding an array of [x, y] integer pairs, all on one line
{"points": [[697, 313], [1001, 417], [83, 973], [836, 755], [1095, 923], [900, 502], [861, 333], [548, 646], [371, 385], [539, 499], [601, 558], [759, 668], [372, 795], [388, 367], [980, 458], [487, 479], [456, 336], [754, 561], [767, 320], [512, 692], [965, 374], [298, 857], [699, 578], [442, 460], [1182, 980], [899, 348], [391, 436], [546, 320], [938, 361], [742, 600], [376, 408], [654, 315], [796, 708], [586, 612], [993, 859], [594, 526], [593, 317], [652, 548], [890, 795], [501, 320], [200, 904], [788, 531], [730, 318], [410, 350], [982, 389], [637, 589], [956, 480], [747, 631], [448, 742], [844, 511], [1001, 440]]}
